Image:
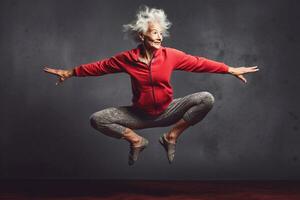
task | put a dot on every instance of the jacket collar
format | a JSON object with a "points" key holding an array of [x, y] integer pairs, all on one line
{"points": [[135, 53]]}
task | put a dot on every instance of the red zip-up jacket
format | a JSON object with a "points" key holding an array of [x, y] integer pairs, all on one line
{"points": [[151, 88]]}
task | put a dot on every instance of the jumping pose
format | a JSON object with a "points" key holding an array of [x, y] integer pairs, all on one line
{"points": [[150, 67]]}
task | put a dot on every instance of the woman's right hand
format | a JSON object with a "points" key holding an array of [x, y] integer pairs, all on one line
{"points": [[60, 73]]}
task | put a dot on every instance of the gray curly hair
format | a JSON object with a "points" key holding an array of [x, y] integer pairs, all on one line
{"points": [[143, 17]]}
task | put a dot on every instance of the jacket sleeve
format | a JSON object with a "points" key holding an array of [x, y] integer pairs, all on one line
{"points": [[191, 63], [102, 67]]}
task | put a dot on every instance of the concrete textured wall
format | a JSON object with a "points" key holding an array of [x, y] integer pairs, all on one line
{"points": [[251, 133]]}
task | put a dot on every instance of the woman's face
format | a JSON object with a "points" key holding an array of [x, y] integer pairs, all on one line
{"points": [[153, 37]]}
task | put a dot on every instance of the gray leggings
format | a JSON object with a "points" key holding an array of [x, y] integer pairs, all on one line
{"points": [[191, 108]]}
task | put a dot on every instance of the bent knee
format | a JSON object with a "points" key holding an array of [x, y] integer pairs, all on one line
{"points": [[103, 117], [94, 119], [205, 98], [97, 120], [208, 98]]}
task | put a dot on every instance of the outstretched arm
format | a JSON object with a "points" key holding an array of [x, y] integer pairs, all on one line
{"points": [[99, 68], [239, 71], [191, 63]]}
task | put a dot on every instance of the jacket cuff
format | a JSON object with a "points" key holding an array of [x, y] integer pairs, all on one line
{"points": [[74, 72], [226, 68]]}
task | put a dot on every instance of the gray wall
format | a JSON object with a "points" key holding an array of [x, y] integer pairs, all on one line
{"points": [[252, 132]]}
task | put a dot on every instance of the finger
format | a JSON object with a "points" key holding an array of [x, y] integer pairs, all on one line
{"points": [[254, 70], [58, 83], [60, 80], [51, 71], [249, 70], [47, 69], [242, 78]]}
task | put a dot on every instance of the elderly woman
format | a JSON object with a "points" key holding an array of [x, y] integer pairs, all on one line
{"points": [[150, 66]]}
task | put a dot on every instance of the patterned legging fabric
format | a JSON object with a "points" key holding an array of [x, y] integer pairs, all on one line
{"points": [[114, 120]]}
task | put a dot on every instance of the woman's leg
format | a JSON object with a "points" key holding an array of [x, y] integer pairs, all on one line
{"points": [[183, 112], [119, 123], [186, 111]]}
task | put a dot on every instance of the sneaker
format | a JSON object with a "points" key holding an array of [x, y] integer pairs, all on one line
{"points": [[135, 151], [169, 147]]}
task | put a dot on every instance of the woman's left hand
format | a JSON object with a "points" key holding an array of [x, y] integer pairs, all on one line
{"points": [[239, 71]]}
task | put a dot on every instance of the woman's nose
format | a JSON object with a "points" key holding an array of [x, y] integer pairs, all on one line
{"points": [[160, 37]]}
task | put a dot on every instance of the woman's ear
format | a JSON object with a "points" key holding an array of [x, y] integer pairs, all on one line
{"points": [[141, 36]]}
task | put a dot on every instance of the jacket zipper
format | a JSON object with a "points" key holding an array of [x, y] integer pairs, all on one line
{"points": [[151, 82]]}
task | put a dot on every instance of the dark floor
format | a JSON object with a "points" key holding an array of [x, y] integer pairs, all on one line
{"points": [[200, 190]]}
